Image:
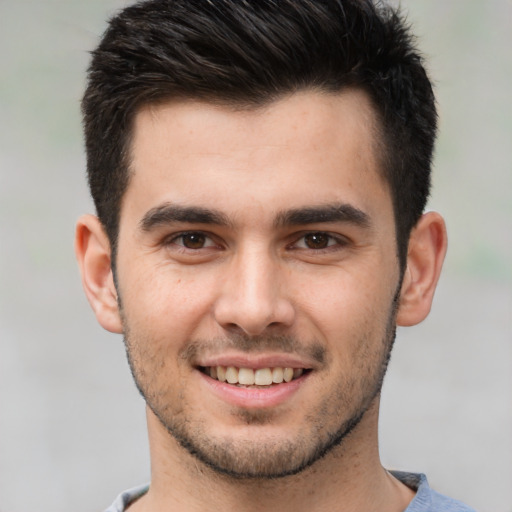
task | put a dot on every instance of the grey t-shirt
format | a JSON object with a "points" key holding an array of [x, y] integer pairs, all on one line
{"points": [[426, 500]]}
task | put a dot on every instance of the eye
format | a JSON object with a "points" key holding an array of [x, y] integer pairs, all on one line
{"points": [[193, 240], [318, 240]]}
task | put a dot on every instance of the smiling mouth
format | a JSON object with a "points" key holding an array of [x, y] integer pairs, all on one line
{"points": [[260, 377]]}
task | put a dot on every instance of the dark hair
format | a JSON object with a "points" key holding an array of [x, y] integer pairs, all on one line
{"points": [[249, 53]]}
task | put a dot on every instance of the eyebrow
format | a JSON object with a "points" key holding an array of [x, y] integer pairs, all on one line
{"points": [[170, 213], [324, 213]]}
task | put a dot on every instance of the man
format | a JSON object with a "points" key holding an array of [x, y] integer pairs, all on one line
{"points": [[260, 170]]}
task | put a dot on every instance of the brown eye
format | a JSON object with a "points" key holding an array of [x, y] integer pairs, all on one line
{"points": [[317, 240], [193, 240]]}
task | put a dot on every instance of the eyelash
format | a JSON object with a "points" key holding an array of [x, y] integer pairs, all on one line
{"points": [[173, 240], [333, 241]]}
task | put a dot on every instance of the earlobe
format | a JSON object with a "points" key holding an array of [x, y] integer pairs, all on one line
{"points": [[92, 249], [427, 249]]}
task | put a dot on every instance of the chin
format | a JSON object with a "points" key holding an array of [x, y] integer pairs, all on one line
{"points": [[264, 453]]}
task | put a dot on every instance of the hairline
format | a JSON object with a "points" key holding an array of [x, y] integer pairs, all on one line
{"points": [[380, 146]]}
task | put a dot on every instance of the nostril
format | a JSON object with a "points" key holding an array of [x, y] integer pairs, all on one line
{"points": [[253, 307]]}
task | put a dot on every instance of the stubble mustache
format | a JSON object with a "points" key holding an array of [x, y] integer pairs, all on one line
{"points": [[285, 344]]}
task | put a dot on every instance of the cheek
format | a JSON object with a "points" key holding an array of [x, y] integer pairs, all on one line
{"points": [[168, 303], [347, 310]]}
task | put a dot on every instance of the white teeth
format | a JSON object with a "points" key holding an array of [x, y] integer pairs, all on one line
{"points": [[263, 377], [221, 373], [232, 375], [246, 376], [250, 377], [277, 375]]}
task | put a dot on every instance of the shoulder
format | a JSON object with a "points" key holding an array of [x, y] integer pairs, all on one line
{"points": [[444, 503], [426, 499], [126, 498]]}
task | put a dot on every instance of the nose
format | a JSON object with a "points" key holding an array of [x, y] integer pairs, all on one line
{"points": [[253, 296]]}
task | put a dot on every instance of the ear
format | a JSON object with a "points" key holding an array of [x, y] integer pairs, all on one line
{"points": [[92, 249], [427, 249]]}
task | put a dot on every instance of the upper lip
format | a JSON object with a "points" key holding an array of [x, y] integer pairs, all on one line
{"points": [[256, 361]]}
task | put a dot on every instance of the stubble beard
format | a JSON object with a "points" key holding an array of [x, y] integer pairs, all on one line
{"points": [[250, 460]]}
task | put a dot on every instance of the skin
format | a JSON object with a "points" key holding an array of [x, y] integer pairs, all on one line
{"points": [[270, 277]]}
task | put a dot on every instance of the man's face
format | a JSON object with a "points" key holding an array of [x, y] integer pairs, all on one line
{"points": [[258, 240]]}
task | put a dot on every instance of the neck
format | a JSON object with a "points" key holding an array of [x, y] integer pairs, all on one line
{"points": [[349, 478]]}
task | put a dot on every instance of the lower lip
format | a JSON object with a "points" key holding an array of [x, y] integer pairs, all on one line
{"points": [[254, 398]]}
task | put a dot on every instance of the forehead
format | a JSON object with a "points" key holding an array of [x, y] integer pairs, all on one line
{"points": [[309, 147]]}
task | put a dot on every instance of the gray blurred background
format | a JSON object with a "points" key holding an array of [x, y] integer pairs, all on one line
{"points": [[72, 428]]}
